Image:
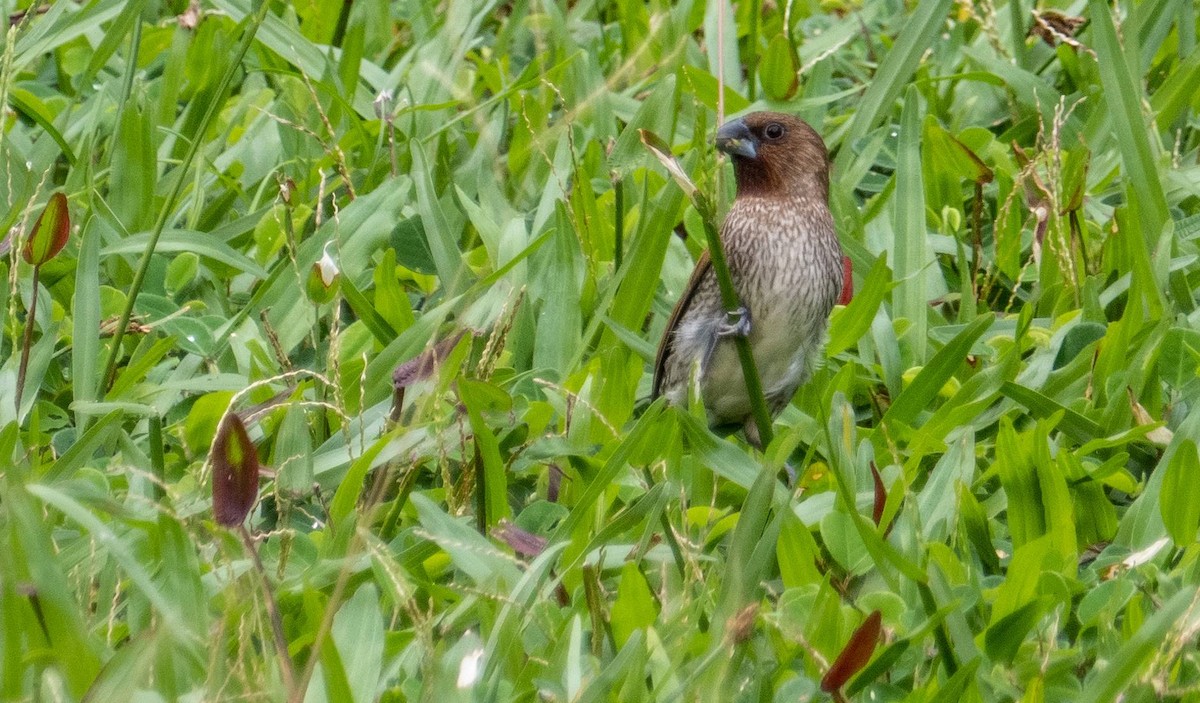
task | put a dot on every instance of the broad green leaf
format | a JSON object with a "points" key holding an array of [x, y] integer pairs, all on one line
{"points": [[634, 607], [910, 297], [779, 69], [291, 454], [1180, 498], [850, 323], [358, 631], [919, 394], [178, 241], [471, 552], [919, 33]]}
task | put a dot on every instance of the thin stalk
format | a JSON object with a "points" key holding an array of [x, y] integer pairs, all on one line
{"points": [[941, 636], [285, 660], [367, 513], [27, 342], [729, 298], [481, 511], [976, 237], [618, 221], [255, 21], [157, 460]]}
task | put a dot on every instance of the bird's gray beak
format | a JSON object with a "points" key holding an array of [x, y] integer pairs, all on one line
{"points": [[734, 138]]}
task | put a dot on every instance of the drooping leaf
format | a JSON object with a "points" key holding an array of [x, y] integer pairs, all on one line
{"points": [[662, 151]]}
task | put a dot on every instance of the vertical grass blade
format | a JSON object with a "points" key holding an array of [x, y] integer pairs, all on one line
{"points": [[909, 231], [1123, 97], [85, 353]]}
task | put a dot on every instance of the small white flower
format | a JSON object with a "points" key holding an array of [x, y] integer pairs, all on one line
{"points": [[328, 267], [382, 102], [469, 670], [1143, 556]]}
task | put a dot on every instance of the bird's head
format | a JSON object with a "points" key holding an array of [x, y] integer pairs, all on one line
{"points": [[775, 154]]}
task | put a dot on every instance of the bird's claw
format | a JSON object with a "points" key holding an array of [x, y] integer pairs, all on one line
{"points": [[737, 323]]}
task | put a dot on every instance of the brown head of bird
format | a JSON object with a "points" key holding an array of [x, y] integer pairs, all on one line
{"points": [[786, 266]]}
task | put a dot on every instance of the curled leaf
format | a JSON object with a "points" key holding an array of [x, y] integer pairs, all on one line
{"points": [[1055, 27], [50, 232], [662, 152], [235, 472], [855, 655]]}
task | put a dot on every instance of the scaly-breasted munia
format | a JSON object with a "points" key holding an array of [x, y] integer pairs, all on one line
{"points": [[786, 266]]}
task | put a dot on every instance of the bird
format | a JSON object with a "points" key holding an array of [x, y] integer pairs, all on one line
{"points": [[786, 266]]}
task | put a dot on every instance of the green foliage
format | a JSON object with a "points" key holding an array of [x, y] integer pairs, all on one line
{"points": [[273, 206]]}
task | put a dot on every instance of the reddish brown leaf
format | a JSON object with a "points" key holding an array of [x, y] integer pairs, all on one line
{"points": [[418, 369], [554, 483], [855, 655], [422, 366], [880, 495], [847, 282], [50, 232], [523, 542], [235, 472]]}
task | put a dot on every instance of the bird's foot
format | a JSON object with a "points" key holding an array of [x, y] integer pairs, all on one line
{"points": [[736, 324]]}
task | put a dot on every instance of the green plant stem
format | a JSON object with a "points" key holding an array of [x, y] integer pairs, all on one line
{"points": [[754, 54], [940, 635], [481, 507], [729, 298], [157, 460], [139, 277], [339, 30], [618, 221], [27, 342]]}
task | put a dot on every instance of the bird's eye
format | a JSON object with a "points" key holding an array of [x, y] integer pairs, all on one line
{"points": [[773, 131]]}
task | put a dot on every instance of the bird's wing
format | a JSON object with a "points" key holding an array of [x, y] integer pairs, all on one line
{"points": [[703, 265]]}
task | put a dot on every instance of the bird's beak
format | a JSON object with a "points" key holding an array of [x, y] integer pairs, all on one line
{"points": [[734, 138]]}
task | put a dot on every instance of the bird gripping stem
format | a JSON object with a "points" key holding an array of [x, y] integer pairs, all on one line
{"points": [[729, 296], [733, 310]]}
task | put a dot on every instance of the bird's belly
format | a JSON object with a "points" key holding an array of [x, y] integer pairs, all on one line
{"points": [[782, 346]]}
